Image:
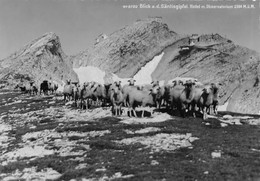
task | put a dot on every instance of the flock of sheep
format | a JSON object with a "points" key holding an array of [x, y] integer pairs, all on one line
{"points": [[182, 95], [46, 87]]}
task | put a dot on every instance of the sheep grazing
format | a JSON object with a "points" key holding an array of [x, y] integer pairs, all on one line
{"points": [[52, 87], [127, 89], [117, 100], [131, 81], [177, 82], [21, 87], [155, 83], [145, 87], [76, 94], [181, 81], [174, 94], [195, 103], [181, 94], [143, 98], [34, 88], [206, 100], [165, 92], [186, 97], [68, 91], [86, 95], [44, 86], [118, 84], [99, 94], [162, 96], [215, 89], [108, 89], [31, 88]]}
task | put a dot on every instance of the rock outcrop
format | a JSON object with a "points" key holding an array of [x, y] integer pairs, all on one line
{"points": [[42, 59]]}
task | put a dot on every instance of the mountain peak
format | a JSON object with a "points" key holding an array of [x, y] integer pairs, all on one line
{"points": [[41, 59], [136, 43]]}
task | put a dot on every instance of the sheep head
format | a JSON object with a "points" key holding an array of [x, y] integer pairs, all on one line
{"points": [[189, 84], [155, 83], [207, 89], [131, 81]]}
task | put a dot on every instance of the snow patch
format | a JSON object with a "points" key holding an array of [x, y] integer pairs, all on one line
{"points": [[144, 76], [223, 107], [90, 73]]}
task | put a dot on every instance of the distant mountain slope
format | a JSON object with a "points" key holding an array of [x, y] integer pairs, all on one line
{"points": [[128, 49], [41, 59], [217, 59]]}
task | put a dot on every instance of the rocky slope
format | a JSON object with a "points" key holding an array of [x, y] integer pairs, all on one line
{"points": [[41, 59], [216, 59], [125, 51]]}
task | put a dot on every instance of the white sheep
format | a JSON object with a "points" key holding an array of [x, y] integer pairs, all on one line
{"points": [[117, 100], [143, 98]]}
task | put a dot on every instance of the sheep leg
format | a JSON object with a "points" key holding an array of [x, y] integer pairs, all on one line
{"points": [[134, 112], [125, 101], [117, 110], [192, 109], [120, 110], [78, 103], [205, 115], [181, 109], [171, 108], [81, 104], [87, 103], [160, 103], [142, 113], [216, 110], [194, 114], [112, 109], [211, 109], [130, 111], [151, 111]]}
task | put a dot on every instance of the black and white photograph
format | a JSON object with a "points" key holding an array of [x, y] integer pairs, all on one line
{"points": [[114, 90]]}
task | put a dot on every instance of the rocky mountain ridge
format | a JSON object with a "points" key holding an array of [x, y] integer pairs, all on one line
{"points": [[42, 59], [130, 47]]}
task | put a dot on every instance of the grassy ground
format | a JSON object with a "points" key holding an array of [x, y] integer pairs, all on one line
{"points": [[239, 148]]}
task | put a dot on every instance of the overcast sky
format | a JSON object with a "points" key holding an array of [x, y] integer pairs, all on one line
{"points": [[79, 22]]}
